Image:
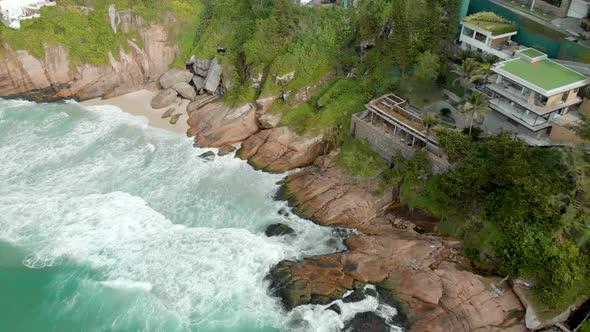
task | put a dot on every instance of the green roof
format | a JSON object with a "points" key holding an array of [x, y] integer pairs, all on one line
{"points": [[532, 53], [545, 74], [491, 22]]}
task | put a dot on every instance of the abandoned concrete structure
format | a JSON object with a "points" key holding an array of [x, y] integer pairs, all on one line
{"points": [[392, 126]]}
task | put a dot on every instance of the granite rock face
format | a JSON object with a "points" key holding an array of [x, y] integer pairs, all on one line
{"points": [[54, 76], [427, 273], [175, 76], [164, 99], [280, 149], [213, 77], [185, 90], [214, 124]]}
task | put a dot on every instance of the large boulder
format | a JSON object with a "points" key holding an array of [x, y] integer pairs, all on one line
{"points": [[278, 230], [285, 79], [213, 76], [185, 90], [199, 83], [173, 76], [214, 124], [164, 99], [280, 149], [270, 120], [225, 150], [201, 67]]}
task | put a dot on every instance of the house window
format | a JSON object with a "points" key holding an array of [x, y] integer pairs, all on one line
{"points": [[564, 97], [540, 100], [468, 32], [480, 37]]}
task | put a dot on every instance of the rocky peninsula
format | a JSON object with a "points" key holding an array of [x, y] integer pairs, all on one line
{"points": [[426, 274]]}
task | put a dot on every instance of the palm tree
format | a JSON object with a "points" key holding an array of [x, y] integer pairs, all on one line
{"points": [[485, 70], [429, 121], [475, 104], [469, 71]]}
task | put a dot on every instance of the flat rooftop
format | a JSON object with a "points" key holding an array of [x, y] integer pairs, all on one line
{"points": [[547, 76], [532, 53]]}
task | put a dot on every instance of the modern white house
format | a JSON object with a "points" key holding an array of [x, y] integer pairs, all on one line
{"points": [[490, 34], [13, 11], [532, 92]]}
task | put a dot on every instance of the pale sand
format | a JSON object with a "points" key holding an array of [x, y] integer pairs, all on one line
{"points": [[138, 103]]}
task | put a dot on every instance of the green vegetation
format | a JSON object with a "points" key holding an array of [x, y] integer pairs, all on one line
{"points": [[585, 327], [546, 74], [358, 158], [513, 204], [532, 53], [491, 22], [87, 35]]}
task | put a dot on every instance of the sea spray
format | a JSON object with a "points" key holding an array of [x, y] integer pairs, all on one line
{"points": [[108, 224]]}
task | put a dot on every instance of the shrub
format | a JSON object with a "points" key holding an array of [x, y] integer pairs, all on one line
{"points": [[445, 112]]}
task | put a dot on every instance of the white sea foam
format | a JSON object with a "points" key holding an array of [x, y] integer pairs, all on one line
{"points": [[128, 284], [100, 188]]}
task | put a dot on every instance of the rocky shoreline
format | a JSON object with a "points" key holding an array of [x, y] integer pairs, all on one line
{"points": [[426, 273]]}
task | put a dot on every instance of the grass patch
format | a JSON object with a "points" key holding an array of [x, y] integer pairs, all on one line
{"points": [[359, 160], [339, 100], [491, 22]]}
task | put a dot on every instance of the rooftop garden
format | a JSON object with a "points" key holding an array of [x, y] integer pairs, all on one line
{"points": [[491, 22], [532, 53], [545, 74]]}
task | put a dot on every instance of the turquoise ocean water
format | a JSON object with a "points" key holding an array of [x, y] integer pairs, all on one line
{"points": [[109, 225]]}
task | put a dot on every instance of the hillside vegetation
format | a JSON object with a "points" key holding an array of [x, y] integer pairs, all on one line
{"points": [[520, 211]]}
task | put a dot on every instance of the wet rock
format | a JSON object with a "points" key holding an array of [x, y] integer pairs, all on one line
{"points": [[168, 112], [270, 120], [174, 118], [173, 76], [356, 296], [334, 307], [213, 76], [366, 322], [164, 99], [225, 150], [209, 155], [185, 90], [278, 230]]}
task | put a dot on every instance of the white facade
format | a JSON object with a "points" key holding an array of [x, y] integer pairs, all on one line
{"points": [[478, 39], [13, 11]]}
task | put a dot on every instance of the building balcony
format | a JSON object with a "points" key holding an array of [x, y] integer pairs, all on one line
{"points": [[517, 97], [520, 115], [503, 52]]}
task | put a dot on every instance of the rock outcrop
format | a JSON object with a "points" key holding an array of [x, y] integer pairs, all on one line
{"points": [[427, 273], [280, 149], [174, 76], [214, 124], [54, 76], [164, 99], [185, 90], [213, 77], [270, 120]]}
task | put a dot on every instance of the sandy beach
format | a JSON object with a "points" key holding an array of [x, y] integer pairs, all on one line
{"points": [[138, 103]]}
